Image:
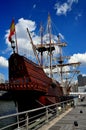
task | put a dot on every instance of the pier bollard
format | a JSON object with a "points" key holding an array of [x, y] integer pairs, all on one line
{"points": [[81, 111], [75, 123]]}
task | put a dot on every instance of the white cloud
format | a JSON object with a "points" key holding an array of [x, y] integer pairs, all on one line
{"points": [[62, 9], [24, 23], [78, 58], [3, 62], [34, 6]]}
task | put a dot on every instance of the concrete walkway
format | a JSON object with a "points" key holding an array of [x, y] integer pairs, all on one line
{"points": [[73, 119]]}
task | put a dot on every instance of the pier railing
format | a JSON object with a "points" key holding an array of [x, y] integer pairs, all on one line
{"points": [[34, 119]]}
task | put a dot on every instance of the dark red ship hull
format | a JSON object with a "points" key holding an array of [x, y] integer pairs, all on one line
{"points": [[29, 85]]}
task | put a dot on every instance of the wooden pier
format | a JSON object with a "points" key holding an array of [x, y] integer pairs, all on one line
{"points": [[73, 119]]}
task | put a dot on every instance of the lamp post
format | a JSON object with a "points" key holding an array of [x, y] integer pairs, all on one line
{"points": [[13, 45]]}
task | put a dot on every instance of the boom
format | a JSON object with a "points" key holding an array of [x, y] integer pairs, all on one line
{"points": [[33, 46]]}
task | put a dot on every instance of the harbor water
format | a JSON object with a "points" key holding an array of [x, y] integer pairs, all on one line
{"points": [[7, 107]]}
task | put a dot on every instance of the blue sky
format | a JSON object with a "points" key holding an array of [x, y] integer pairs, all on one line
{"points": [[69, 19]]}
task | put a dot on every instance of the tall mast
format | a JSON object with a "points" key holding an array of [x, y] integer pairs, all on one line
{"points": [[49, 32], [61, 60], [41, 34], [49, 47]]}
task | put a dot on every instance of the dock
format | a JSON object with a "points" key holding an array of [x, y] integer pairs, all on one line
{"points": [[73, 119], [67, 115]]}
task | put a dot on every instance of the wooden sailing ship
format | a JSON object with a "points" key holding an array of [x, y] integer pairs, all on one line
{"points": [[28, 84]]}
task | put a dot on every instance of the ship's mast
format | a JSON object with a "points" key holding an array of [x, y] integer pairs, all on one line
{"points": [[49, 32], [49, 47], [41, 34], [62, 64], [61, 60]]}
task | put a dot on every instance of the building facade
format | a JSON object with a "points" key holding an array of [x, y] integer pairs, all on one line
{"points": [[81, 83], [2, 78], [81, 80]]}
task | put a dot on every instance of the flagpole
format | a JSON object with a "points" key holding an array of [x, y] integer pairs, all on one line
{"points": [[16, 41]]}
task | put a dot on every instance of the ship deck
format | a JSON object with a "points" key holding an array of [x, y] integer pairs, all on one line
{"points": [[73, 119]]}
